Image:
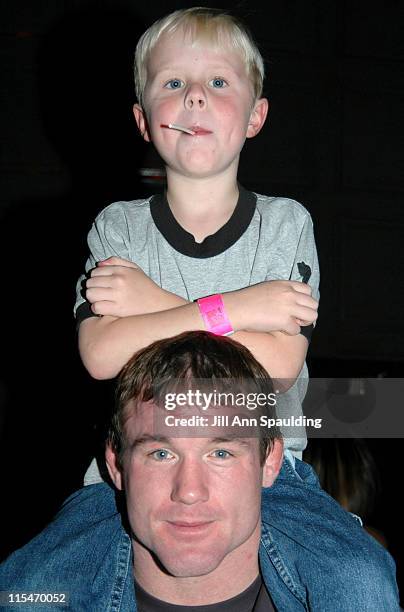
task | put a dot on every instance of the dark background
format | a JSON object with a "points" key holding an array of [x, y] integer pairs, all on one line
{"points": [[334, 141]]}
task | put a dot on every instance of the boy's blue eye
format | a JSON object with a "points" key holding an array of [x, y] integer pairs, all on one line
{"points": [[218, 83], [174, 84]]}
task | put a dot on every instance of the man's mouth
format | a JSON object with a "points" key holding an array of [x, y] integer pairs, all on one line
{"points": [[187, 527]]}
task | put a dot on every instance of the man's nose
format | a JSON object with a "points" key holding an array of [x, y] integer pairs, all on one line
{"points": [[195, 97], [190, 483]]}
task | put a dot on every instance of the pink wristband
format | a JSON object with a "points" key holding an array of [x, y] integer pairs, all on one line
{"points": [[214, 315]]}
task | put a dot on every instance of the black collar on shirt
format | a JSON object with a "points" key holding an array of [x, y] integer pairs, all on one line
{"points": [[183, 242], [254, 597]]}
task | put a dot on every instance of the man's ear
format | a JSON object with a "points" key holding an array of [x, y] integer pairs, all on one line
{"points": [[257, 117], [141, 120], [113, 466], [273, 463]]}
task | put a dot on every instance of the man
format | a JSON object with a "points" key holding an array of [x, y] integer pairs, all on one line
{"points": [[194, 529], [195, 538]]}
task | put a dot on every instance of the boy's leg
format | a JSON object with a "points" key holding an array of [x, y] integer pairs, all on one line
{"points": [[341, 567]]}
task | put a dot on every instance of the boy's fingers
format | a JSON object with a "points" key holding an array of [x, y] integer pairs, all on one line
{"points": [[102, 271], [301, 287], [116, 261], [307, 301], [292, 328], [99, 281], [96, 294], [107, 270], [103, 307], [306, 314]]}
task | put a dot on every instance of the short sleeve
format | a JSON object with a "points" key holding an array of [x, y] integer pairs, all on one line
{"points": [[306, 267], [107, 237]]}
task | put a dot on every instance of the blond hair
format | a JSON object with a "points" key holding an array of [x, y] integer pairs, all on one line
{"points": [[205, 24]]}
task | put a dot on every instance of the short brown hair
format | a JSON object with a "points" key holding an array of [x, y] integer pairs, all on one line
{"points": [[189, 356]]}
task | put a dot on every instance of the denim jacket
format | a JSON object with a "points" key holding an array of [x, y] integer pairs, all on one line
{"points": [[313, 555]]}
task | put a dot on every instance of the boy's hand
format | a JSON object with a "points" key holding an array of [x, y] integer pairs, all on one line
{"points": [[119, 288], [272, 306]]}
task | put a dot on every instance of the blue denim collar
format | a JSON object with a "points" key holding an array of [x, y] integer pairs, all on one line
{"points": [[269, 551], [302, 472], [285, 588], [272, 565], [123, 590]]}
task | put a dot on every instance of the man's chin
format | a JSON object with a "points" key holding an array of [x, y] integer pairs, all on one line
{"points": [[189, 564]]}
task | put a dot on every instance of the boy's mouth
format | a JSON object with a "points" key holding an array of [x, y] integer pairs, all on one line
{"points": [[200, 131], [195, 130]]}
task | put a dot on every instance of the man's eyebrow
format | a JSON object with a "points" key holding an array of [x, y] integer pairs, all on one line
{"points": [[226, 440], [147, 438]]}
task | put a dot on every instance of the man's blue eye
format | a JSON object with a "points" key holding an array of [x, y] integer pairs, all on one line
{"points": [[218, 83], [174, 84], [221, 453], [161, 454]]}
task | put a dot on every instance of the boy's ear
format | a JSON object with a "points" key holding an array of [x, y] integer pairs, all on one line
{"points": [[113, 467], [141, 120], [257, 118], [273, 463]]}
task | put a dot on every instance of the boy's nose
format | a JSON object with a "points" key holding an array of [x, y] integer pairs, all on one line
{"points": [[195, 97]]}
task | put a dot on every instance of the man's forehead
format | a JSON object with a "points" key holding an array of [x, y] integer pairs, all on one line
{"points": [[147, 438], [146, 424], [139, 414]]}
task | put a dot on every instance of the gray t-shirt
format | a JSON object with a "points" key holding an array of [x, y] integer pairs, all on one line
{"points": [[266, 238]]}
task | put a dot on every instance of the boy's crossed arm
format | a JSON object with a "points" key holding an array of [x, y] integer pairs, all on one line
{"points": [[135, 311]]}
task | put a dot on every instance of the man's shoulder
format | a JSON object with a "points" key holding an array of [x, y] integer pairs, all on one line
{"points": [[87, 520], [78, 549]]}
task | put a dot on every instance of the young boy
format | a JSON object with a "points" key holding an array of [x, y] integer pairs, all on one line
{"points": [[246, 258], [150, 259]]}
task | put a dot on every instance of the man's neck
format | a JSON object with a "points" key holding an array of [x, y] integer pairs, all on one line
{"points": [[233, 576], [202, 206]]}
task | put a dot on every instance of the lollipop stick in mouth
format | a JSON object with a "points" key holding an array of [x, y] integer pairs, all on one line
{"points": [[181, 128]]}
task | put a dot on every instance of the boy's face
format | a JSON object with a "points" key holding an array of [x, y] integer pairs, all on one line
{"points": [[198, 87]]}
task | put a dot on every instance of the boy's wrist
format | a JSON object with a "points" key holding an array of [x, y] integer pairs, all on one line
{"points": [[214, 314], [231, 304]]}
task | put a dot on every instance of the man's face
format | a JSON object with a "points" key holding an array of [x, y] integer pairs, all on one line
{"points": [[199, 88], [194, 503]]}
